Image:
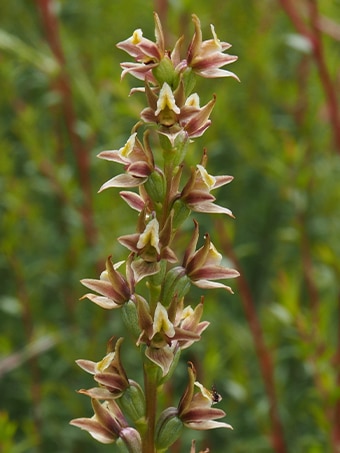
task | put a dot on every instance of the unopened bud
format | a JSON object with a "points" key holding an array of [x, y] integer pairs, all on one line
{"points": [[155, 186], [132, 403], [189, 80], [181, 213], [130, 318], [176, 283], [129, 441], [168, 428], [174, 151], [165, 72]]}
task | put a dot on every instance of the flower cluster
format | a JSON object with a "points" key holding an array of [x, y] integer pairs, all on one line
{"points": [[164, 193]]}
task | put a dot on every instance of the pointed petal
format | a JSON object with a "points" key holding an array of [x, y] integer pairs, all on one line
{"points": [[200, 122], [214, 73], [207, 284], [102, 287], [139, 169], [222, 180], [215, 273], [143, 269], [190, 250], [169, 255], [97, 431], [188, 394], [163, 357], [112, 155], [200, 413], [208, 424], [130, 241], [99, 393], [87, 365], [101, 301], [123, 180], [107, 417], [113, 382], [134, 200], [210, 208], [159, 33]]}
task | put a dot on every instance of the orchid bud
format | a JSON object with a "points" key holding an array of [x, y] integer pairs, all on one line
{"points": [[130, 318], [189, 80], [129, 441], [165, 72], [132, 402], [155, 186], [181, 213], [176, 283], [168, 428]]}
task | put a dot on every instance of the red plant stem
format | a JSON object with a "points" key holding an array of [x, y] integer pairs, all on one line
{"points": [[312, 34], [63, 85], [263, 354]]}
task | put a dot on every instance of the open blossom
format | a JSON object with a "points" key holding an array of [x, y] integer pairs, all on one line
{"points": [[195, 408], [174, 113], [113, 289], [189, 319], [108, 425], [196, 193], [149, 245], [207, 57], [147, 53], [137, 160], [161, 335], [108, 372], [204, 265]]}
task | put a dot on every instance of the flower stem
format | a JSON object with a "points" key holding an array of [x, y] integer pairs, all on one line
{"points": [[151, 373]]}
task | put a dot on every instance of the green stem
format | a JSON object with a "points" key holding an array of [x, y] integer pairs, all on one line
{"points": [[151, 373]]}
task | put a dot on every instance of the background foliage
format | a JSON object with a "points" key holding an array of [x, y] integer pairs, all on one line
{"points": [[273, 349]]}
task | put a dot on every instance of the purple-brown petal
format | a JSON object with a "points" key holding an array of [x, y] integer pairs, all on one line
{"points": [[207, 424], [134, 200], [190, 250], [130, 241], [210, 208], [123, 180], [214, 273], [102, 287], [196, 414], [96, 429], [87, 365], [208, 284], [139, 169], [98, 393], [101, 301], [163, 357], [112, 155], [111, 381]]}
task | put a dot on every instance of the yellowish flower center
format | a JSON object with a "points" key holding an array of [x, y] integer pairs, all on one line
{"points": [[137, 36], [105, 363], [166, 100], [127, 149], [193, 101], [208, 180], [150, 236], [161, 322]]}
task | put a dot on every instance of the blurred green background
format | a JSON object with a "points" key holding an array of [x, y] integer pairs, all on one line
{"points": [[273, 348]]}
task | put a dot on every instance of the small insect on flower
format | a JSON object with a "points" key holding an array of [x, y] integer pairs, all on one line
{"points": [[215, 396]]}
